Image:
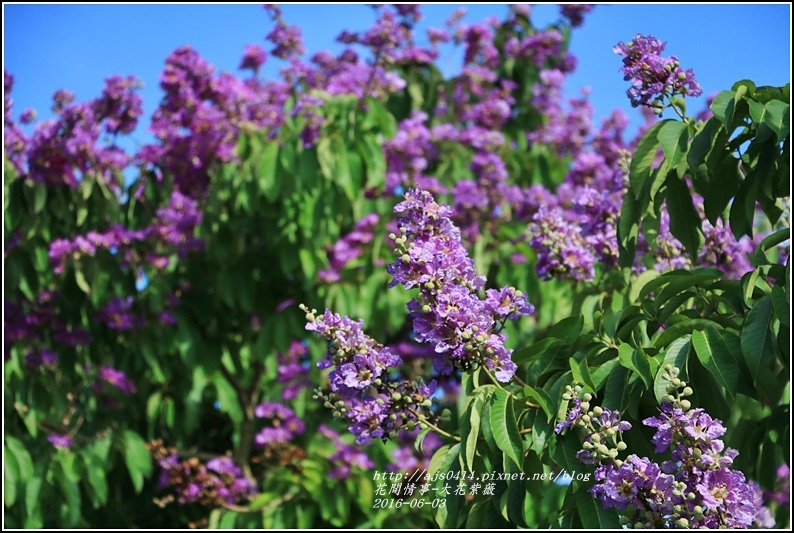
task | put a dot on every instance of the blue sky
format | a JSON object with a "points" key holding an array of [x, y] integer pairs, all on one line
{"points": [[48, 47]]}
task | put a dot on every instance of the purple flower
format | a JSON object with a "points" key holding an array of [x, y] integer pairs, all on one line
{"points": [[60, 440], [283, 426], [224, 465], [117, 378], [253, 58], [575, 12], [651, 75], [346, 457], [449, 313]]}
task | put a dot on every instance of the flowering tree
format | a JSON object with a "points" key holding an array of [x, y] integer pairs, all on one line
{"points": [[486, 264]]}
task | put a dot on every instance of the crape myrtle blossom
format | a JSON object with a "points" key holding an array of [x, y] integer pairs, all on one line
{"points": [[217, 483], [282, 425], [171, 232], [653, 77], [362, 390], [448, 312], [14, 139], [253, 58], [575, 13], [348, 248], [63, 150], [60, 440], [293, 370], [346, 457], [696, 488]]}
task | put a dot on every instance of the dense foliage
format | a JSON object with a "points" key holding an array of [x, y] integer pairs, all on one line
{"points": [[366, 294]]}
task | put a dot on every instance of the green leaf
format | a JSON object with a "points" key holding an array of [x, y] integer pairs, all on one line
{"points": [[629, 227], [639, 283], [722, 106], [372, 152], [10, 477], [530, 353], [345, 176], [725, 180], [778, 237], [777, 118], [742, 214], [713, 352], [581, 373], [542, 398], [756, 337], [33, 490], [505, 427], [94, 473], [642, 160], [79, 277], [470, 428], [438, 459], [635, 359], [676, 355], [268, 181], [682, 328], [704, 142], [677, 281], [136, 456], [593, 515], [781, 305], [568, 329], [685, 223], [673, 137]]}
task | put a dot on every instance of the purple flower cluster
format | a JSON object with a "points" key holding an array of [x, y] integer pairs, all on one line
{"points": [[575, 13], [217, 483], [282, 424], [562, 249], [14, 139], [409, 154], [361, 386], [116, 314], [60, 440], [171, 232], [346, 457], [293, 367], [41, 358], [39, 321], [448, 313], [253, 58], [695, 488], [348, 248], [408, 459], [720, 248], [63, 150], [782, 493], [652, 76], [107, 375]]}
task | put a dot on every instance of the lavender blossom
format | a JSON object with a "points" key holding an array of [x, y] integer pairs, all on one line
{"points": [[361, 386], [60, 440], [696, 488], [653, 77], [346, 457], [448, 313]]}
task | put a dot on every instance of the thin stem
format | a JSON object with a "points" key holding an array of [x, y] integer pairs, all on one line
{"points": [[493, 378], [434, 427], [275, 503], [519, 380]]}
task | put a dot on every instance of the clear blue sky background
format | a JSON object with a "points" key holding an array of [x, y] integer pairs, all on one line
{"points": [[48, 47]]}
